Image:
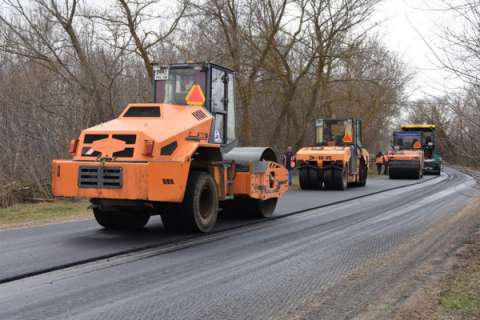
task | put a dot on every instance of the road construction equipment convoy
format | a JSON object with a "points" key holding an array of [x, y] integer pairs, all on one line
{"points": [[431, 153], [337, 159], [175, 157], [406, 158]]}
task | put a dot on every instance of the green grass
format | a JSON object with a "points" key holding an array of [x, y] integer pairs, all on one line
{"points": [[463, 292], [42, 213]]}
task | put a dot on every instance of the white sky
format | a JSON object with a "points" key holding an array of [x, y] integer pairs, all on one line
{"points": [[400, 19]]}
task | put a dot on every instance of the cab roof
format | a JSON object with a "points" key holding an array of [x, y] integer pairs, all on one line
{"points": [[417, 126], [196, 63]]}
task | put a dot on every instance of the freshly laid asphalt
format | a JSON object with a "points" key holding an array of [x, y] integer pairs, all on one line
{"points": [[26, 251], [246, 270]]}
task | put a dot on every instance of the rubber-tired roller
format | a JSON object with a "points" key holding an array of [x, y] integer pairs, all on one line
{"points": [[337, 160]]}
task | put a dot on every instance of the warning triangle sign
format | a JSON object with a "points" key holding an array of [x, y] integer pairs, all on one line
{"points": [[195, 96]]}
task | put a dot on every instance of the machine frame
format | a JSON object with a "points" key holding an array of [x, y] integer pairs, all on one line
{"points": [[173, 159]]}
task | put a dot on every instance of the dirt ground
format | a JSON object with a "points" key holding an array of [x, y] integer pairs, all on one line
{"points": [[445, 286], [454, 292]]}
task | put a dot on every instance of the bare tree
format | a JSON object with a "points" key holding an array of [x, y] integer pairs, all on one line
{"points": [[148, 23], [248, 30], [457, 114], [68, 64]]}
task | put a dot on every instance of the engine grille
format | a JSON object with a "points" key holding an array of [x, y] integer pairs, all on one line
{"points": [[100, 177], [199, 115], [127, 138], [91, 138]]}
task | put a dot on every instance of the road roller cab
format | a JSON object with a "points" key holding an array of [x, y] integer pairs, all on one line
{"points": [[406, 159], [176, 157], [337, 159]]}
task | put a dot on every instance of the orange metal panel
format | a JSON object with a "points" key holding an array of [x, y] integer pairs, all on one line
{"points": [[65, 181], [220, 180], [176, 123], [167, 180], [154, 181], [321, 154], [270, 184], [241, 183], [405, 155]]}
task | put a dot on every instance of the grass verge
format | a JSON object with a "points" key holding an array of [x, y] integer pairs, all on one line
{"points": [[30, 214], [460, 295]]}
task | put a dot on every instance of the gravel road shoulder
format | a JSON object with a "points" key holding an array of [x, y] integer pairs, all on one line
{"points": [[399, 284], [446, 284]]}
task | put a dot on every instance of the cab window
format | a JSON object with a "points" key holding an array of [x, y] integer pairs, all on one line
{"points": [[176, 84], [334, 132], [223, 105], [142, 112]]}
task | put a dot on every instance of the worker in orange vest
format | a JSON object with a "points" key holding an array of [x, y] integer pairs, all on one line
{"points": [[347, 138], [416, 144], [289, 163], [379, 162], [385, 164]]}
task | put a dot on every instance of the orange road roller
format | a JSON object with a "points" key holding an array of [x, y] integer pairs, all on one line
{"points": [[431, 153], [337, 159], [406, 160], [175, 157]]}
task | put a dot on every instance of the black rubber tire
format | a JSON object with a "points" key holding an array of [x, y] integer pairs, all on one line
{"points": [[392, 174], [263, 208], [363, 175], [199, 210], [316, 179], [329, 178], [133, 220], [341, 179], [416, 175], [129, 219], [171, 218], [104, 218], [250, 208], [304, 178]]}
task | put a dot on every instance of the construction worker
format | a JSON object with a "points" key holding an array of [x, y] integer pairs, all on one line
{"points": [[347, 138], [289, 163], [379, 162], [416, 144], [385, 164]]}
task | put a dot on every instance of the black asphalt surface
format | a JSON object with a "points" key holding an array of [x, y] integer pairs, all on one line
{"points": [[37, 249], [266, 270]]}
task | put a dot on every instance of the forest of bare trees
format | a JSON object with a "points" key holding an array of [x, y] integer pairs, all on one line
{"points": [[457, 111], [68, 64]]}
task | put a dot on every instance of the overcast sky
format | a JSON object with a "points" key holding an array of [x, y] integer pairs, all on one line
{"points": [[403, 20], [401, 23]]}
